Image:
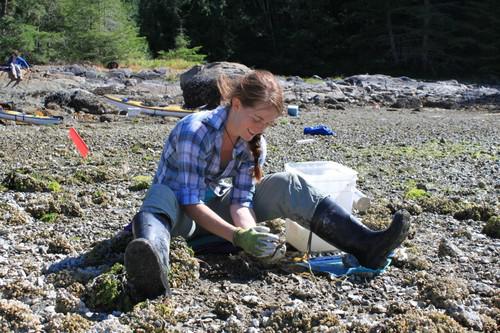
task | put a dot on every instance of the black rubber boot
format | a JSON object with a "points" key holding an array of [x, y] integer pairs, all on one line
{"points": [[336, 226], [147, 256]]}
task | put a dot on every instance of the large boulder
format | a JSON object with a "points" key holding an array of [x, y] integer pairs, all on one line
{"points": [[79, 100], [199, 84], [85, 101]]}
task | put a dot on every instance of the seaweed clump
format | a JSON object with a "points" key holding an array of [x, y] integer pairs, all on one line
{"points": [[301, 319], [157, 316], [108, 292], [460, 210], [419, 321], [70, 323], [22, 180], [12, 215], [441, 290], [18, 317], [184, 267], [492, 227]]}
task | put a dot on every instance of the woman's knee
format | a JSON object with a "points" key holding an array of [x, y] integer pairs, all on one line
{"points": [[286, 181], [144, 217]]}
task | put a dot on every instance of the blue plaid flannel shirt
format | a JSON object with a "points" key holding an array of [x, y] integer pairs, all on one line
{"points": [[190, 163]]}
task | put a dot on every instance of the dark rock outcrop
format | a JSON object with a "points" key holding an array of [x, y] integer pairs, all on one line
{"points": [[199, 84], [79, 100]]}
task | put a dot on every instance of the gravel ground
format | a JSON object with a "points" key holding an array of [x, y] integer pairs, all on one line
{"points": [[61, 218]]}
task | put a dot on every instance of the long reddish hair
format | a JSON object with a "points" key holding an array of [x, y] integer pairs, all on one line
{"points": [[255, 88]]}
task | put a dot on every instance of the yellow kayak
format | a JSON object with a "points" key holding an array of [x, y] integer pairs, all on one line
{"points": [[28, 118], [130, 106]]}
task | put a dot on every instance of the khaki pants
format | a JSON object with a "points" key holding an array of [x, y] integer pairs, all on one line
{"points": [[279, 195], [16, 71]]}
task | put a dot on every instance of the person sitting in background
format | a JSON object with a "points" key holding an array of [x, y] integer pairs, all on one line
{"points": [[16, 63]]}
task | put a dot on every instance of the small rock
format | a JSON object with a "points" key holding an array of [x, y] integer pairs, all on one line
{"points": [[482, 289], [466, 317], [446, 248], [251, 300], [255, 322], [105, 119], [378, 308]]}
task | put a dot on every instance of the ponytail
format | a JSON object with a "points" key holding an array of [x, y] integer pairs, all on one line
{"points": [[256, 149]]}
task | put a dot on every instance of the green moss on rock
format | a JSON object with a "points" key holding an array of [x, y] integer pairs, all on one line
{"points": [[153, 316], [107, 292], [492, 227], [184, 267], [23, 181], [140, 183], [460, 210], [92, 175], [49, 217], [54, 186], [415, 193]]}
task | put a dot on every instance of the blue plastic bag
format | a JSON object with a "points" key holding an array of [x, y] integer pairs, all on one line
{"points": [[319, 130], [336, 266]]}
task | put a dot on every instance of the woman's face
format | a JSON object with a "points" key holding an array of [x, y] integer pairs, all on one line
{"points": [[249, 121]]}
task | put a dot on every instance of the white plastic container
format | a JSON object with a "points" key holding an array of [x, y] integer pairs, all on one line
{"points": [[298, 237], [330, 178], [360, 201]]}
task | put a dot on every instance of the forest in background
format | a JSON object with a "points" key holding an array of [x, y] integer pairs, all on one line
{"points": [[421, 38]]}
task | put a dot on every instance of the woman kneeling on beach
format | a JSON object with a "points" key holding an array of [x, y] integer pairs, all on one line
{"points": [[188, 197]]}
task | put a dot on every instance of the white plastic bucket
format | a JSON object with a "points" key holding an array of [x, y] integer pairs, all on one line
{"points": [[331, 178]]}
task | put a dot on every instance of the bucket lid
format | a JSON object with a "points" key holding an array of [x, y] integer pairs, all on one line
{"points": [[331, 169]]}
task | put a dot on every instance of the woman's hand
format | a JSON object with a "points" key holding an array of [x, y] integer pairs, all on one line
{"points": [[256, 241]]}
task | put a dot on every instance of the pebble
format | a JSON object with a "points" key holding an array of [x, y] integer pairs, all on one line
{"points": [[378, 308], [446, 248]]}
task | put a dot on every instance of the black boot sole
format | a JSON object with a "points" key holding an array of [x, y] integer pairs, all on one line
{"points": [[145, 272]]}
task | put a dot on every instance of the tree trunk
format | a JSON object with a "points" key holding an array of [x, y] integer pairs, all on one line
{"points": [[425, 35], [390, 32], [267, 12], [5, 6]]}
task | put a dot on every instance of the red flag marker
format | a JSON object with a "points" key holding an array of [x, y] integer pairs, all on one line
{"points": [[79, 143]]}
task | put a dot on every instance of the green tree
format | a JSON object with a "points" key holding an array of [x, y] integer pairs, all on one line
{"points": [[24, 26], [183, 51], [100, 31], [159, 22]]}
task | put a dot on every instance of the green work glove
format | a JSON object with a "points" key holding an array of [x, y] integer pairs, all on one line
{"points": [[256, 242]]}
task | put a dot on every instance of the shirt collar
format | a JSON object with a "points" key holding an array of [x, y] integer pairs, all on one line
{"points": [[217, 117]]}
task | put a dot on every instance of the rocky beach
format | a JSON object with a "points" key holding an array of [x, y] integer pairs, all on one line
{"points": [[431, 148]]}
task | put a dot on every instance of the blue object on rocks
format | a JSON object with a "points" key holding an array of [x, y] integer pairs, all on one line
{"points": [[128, 227], [319, 130], [293, 110], [336, 266]]}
